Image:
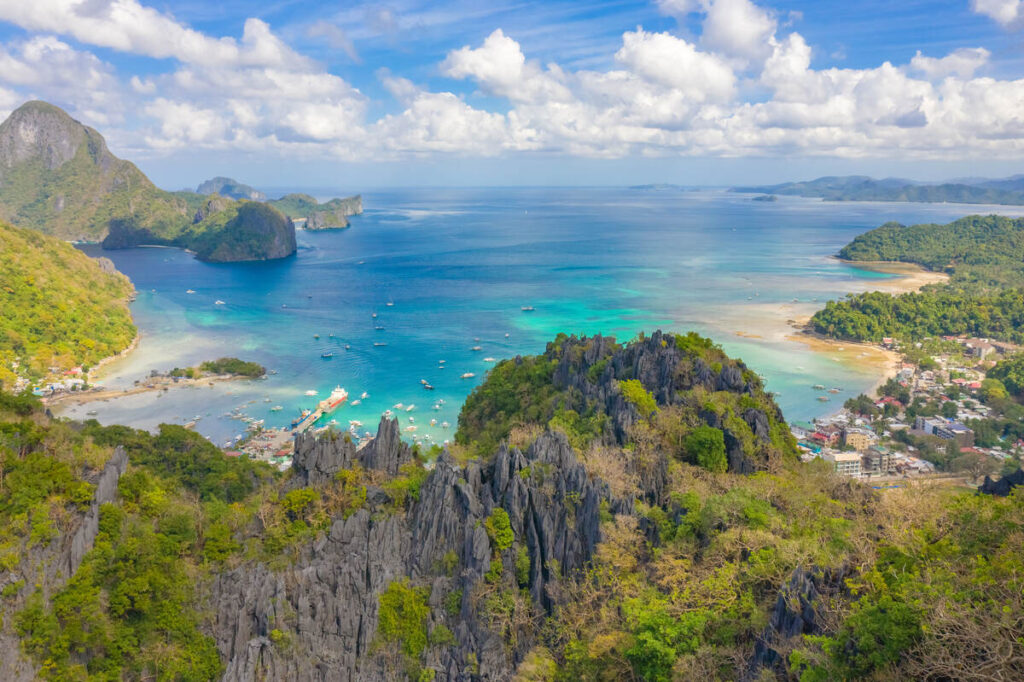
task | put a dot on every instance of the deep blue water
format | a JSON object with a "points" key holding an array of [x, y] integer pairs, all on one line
{"points": [[458, 264]]}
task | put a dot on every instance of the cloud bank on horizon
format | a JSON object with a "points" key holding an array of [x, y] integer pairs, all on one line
{"points": [[728, 78]]}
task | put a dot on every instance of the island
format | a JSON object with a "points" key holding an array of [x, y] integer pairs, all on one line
{"points": [[313, 215], [1009, 191], [58, 176]]}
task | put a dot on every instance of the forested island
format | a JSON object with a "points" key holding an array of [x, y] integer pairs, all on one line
{"points": [[862, 188]]}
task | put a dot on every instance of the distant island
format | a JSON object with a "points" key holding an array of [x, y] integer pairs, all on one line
{"points": [[221, 367], [1009, 191], [333, 214], [228, 187]]}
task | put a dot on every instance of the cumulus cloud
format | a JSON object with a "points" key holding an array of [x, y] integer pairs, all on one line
{"points": [[961, 63], [744, 84], [1006, 12]]}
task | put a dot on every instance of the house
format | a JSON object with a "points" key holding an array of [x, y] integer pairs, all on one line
{"points": [[979, 348], [955, 431], [928, 424], [878, 460]]}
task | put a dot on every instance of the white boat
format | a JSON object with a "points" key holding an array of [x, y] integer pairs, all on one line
{"points": [[356, 402], [389, 303], [311, 392], [506, 335], [364, 395], [410, 428], [218, 302], [189, 291], [399, 406], [355, 423], [489, 360], [468, 375], [412, 420], [527, 308], [433, 422], [441, 362], [387, 413], [410, 408], [445, 425], [475, 348], [276, 408]]}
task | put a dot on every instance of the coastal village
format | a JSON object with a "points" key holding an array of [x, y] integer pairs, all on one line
{"points": [[922, 422]]}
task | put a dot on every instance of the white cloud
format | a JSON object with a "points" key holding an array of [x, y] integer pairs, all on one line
{"points": [[961, 63], [1006, 12], [675, 63], [738, 29]]}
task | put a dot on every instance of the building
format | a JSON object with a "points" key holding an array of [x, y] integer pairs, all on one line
{"points": [[979, 348], [857, 438], [929, 424], [878, 461], [955, 431], [845, 463]]}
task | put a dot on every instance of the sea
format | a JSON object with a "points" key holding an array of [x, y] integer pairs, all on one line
{"points": [[424, 277]]}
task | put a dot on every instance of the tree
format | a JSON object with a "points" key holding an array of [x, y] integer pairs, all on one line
{"points": [[705, 446], [949, 409], [975, 464]]}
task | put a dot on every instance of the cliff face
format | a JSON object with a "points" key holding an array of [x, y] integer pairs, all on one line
{"points": [[333, 214], [57, 176], [51, 565], [257, 232], [327, 606]]}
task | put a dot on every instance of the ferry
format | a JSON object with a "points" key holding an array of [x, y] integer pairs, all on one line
{"points": [[337, 397]]}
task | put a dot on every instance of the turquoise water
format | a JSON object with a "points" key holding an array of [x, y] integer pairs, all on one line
{"points": [[458, 265]]}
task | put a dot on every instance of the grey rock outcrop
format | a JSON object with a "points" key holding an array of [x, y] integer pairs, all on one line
{"points": [[326, 605], [51, 566]]}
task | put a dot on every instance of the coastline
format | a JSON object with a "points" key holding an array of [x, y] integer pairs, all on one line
{"points": [[912, 277], [79, 398], [117, 356]]}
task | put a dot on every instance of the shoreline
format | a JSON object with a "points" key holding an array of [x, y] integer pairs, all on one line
{"points": [[156, 384], [117, 356]]}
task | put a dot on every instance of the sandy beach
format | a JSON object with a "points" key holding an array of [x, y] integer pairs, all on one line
{"points": [[149, 385]]}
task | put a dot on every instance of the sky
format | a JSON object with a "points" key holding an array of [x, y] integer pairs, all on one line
{"points": [[305, 94]]}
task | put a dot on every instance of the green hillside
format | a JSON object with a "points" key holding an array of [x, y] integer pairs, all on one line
{"points": [[59, 307], [57, 176]]}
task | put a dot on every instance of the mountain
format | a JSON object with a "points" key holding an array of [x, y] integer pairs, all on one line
{"points": [[227, 187], [57, 176], [329, 215], [58, 307], [862, 188], [611, 511]]}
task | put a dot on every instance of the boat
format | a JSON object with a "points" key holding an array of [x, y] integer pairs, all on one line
{"points": [[276, 408], [355, 423], [348, 347], [527, 308], [410, 428], [818, 387], [379, 328], [476, 339], [379, 343], [506, 335], [190, 291], [489, 360], [355, 402], [311, 392], [92, 413], [399, 406], [218, 302], [433, 422], [387, 413], [375, 316], [423, 381], [834, 390], [299, 420], [327, 355], [468, 375], [389, 303], [412, 420], [445, 425], [331, 402], [823, 398], [474, 348], [441, 362], [410, 408], [316, 336], [364, 395], [428, 387]]}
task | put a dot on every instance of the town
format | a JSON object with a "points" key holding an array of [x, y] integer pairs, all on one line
{"points": [[943, 414]]}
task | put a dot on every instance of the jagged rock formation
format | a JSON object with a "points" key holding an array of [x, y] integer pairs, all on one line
{"points": [[57, 176], [328, 602], [51, 566], [1004, 486], [228, 187]]}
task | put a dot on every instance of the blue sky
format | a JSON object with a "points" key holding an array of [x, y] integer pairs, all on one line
{"points": [[307, 94]]}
